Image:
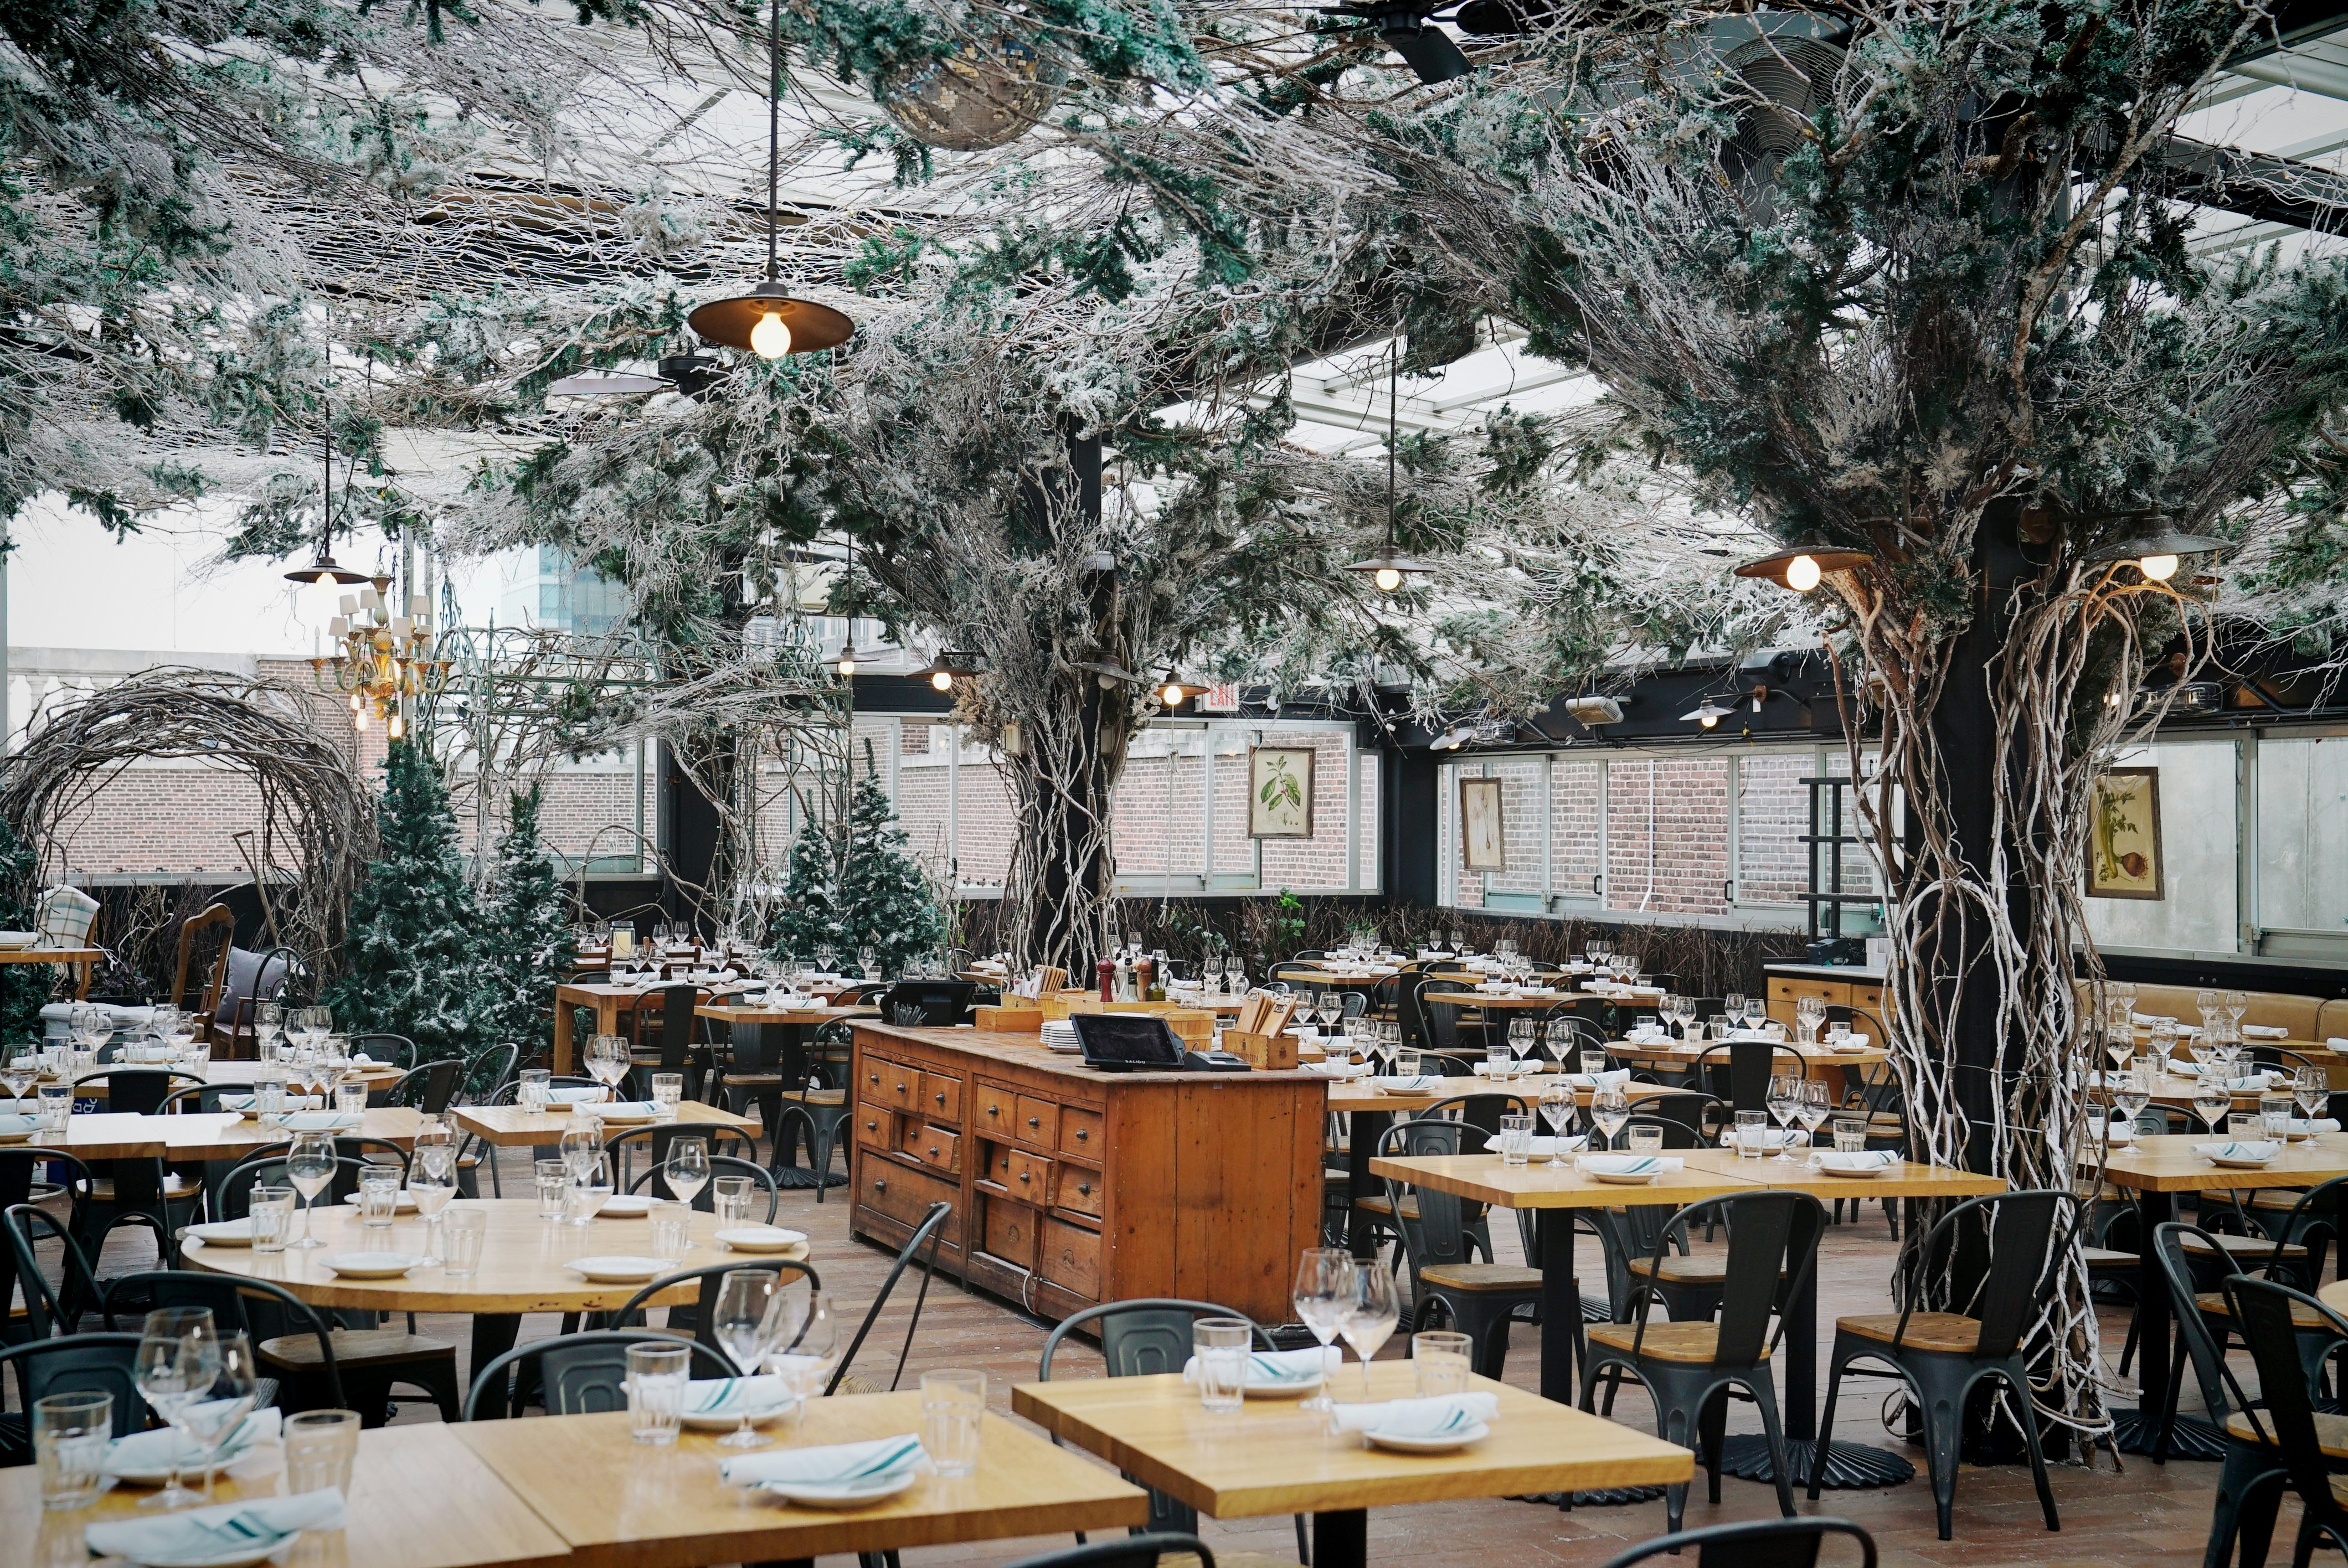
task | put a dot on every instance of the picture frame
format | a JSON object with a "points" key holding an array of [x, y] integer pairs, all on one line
{"points": [[1280, 791], [2124, 858], [1483, 829]]}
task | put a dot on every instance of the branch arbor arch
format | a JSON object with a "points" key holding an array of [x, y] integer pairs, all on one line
{"points": [[316, 823]]}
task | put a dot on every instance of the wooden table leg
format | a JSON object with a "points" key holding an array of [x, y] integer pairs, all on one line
{"points": [[563, 1047]]}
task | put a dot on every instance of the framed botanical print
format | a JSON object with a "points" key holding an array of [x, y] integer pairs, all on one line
{"points": [[2124, 835], [1483, 840], [1280, 791]]}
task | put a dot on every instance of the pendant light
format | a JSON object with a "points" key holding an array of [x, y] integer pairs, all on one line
{"points": [[324, 573], [767, 320], [2157, 555], [1804, 566], [1386, 567], [846, 663]]}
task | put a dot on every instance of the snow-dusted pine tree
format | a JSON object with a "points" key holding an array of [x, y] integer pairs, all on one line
{"points": [[525, 937]]}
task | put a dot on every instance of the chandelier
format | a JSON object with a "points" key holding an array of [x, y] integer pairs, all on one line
{"points": [[381, 659]]}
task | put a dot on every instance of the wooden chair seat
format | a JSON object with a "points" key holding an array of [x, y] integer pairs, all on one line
{"points": [[2282, 1198], [812, 1096], [1479, 1276], [754, 1080], [1698, 1343], [356, 1347], [2213, 1305], [1378, 1204], [2243, 1246], [2102, 1257], [175, 1185], [858, 1383], [1226, 1559], [1952, 1333], [1709, 1268], [2330, 1433]]}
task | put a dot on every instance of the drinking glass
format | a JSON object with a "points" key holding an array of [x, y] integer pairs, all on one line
{"points": [[433, 1191], [315, 1024], [1406, 1063], [952, 1404], [552, 1177], [1444, 1362], [378, 1198], [1733, 1005], [320, 1448], [1221, 1346], [2236, 1005], [668, 1092], [1324, 1284], [1647, 1139], [2211, 1102], [55, 1102], [656, 1378], [1497, 1063], [1516, 1140], [2134, 1093], [1752, 1134], [350, 1099], [2207, 1003], [1816, 1105], [310, 1166], [1609, 1109], [20, 1069], [742, 1321], [1557, 1110], [530, 1089], [1784, 1097], [868, 960], [671, 1224], [271, 1209], [581, 1147], [809, 1333], [689, 1168], [71, 1436], [462, 1233], [2311, 1090], [1849, 1136], [177, 1359], [1370, 1316], [661, 933], [608, 1062], [730, 1197], [2163, 1043], [221, 1406], [2274, 1116], [589, 1191]]}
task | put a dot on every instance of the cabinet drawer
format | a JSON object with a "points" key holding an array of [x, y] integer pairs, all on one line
{"points": [[876, 1126], [942, 1098], [994, 1110], [905, 1194], [1026, 1176], [1010, 1232], [1071, 1258], [934, 1146], [1081, 1190], [1867, 997], [1782, 989], [1038, 1123], [900, 1086], [1080, 1132]]}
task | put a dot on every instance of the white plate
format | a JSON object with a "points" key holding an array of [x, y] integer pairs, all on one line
{"points": [[407, 1201], [1438, 1445], [1865, 1173], [860, 1494], [370, 1265], [762, 1238], [2238, 1165], [1635, 1179], [235, 1557], [223, 1233], [622, 1118], [624, 1205], [619, 1269], [1284, 1391], [727, 1420]]}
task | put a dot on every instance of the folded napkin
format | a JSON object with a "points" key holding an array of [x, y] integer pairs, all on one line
{"points": [[1335, 1069], [219, 1530], [2259, 1148], [2112, 1131], [572, 1094], [293, 1102], [321, 1121], [834, 1464], [1861, 1160], [1633, 1164], [12, 1125], [1418, 1418], [1771, 1138], [2255, 1081], [1542, 1145], [2336, 1042], [732, 1396], [1614, 1078], [2265, 1031], [1418, 1083], [143, 1452], [1648, 1037], [1274, 1368], [624, 1108], [1530, 1063], [2146, 1020], [363, 1060], [2301, 1128]]}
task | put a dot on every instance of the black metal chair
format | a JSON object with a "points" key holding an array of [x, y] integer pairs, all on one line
{"points": [[70, 1364], [1739, 1071], [1136, 1551], [578, 1374], [1692, 1368], [1479, 1298], [2196, 1272], [48, 1310], [234, 1196], [697, 1317], [1940, 1355], [2266, 1314], [923, 1242], [719, 1166], [676, 1023], [429, 1087], [655, 1141], [1761, 1544]]}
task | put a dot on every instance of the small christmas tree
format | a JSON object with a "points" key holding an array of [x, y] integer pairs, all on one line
{"points": [[412, 959], [23, 988], [809, 918], [884, 897], [528, 944]]}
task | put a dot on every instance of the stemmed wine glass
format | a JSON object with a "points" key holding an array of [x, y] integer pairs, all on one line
{"points": [[1816, 1105], [1784, 1098], [2133, 1095], [20, 1069], [2311, 1090], [1523, 1034], [2207, 1005], [867, 959], [1325, 1287], [2210, 1103], [176, 1364], [608, 1062], [212, 1417], [315, 1024], [1370, 1315], [432, 1180], [1557, 1110], [1609, 1109], [689, 1168], [808, 1343], [2236, 1004], [310, 1166], [745, 1321]]}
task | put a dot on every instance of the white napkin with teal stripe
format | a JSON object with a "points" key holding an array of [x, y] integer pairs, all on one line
{"points": [[835, 1464], [2260, 1150], [1771, 1138], [321, 1122], [1633, 1164], [1282, 1368], [1418, 1418], [619, 1109], [572, 1094], [1615, 1078], [2301, 1128], [732, 1396], [1336, 1069], [217, 1532], [1418, 1084], [14, 1126], [1542, 1146], [2265, 1031], [1861, 1160], [142, 1453], [293, 1102]]}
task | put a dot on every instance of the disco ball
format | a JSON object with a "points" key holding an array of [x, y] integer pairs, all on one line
{"points": [[980, 96]]}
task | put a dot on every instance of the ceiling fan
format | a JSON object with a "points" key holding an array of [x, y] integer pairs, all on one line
{"points": [[1407, 27]]}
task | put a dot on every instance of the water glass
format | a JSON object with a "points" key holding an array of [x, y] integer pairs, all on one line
{"points": [[1444, 1361], [1220, 1346], [378, 1198], [463, 1231], [1646, 1140], [2274, 1114], [657, 1376], [671, 1229], [269, 1100], [71, 1434], [56, 1106], [1593, 1062], [1406, 1063], [2245, 1125], [730, 1197], [668, 1089], [271, 1210], [529, 1092], [952, 1404], [1752, 1134], [552, 1178], [320, 1446], [1516, 1140], [1849, 1136], [350, 1099]]}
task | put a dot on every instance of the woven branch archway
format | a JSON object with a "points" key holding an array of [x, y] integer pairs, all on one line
{"points": [[315, 811]]}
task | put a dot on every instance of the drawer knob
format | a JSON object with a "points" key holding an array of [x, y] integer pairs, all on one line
{"points": [[1034, 1120], [1083, 1133], [933, 1151], [1086, 1188], [880, 1186], [1023, 1175], [940, 1097]]}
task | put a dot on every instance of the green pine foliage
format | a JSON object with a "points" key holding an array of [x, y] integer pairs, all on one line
{"points": [[413, 958], [23, 988], [809, 918], [527, 941], [884, 899]]}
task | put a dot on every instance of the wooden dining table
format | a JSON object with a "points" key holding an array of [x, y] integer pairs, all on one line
{"points": [[1269, 1457], [203, 1135], [620, 1504], [1555, 1191], [419, 1498], [512, 1127]]}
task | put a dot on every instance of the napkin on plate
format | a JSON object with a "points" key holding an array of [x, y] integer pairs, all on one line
{"points": [[732, 1396], [1633, 1164], [12, 1125], [1543, 1146], [1860, 1160], [1272, 1369], [834, 1464], [1335, 1069], [1418, 1418], [2260, 1150], [1771, 1138], [2265, 1031], [218, 1530], [143, 1452], [619, 1109], [2304, 1129], [572, 1094], [1416, 1084], [1614, 1078], [321, 1121]]}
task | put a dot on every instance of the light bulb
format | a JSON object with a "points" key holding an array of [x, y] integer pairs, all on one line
{"points": [[847, 665], [1708, 718], [943, 680], [2159, 568], [355, 701], [1387, 578], [1801, 574], [358, 720], [1172, 694], [396, 727], [771, 338]]}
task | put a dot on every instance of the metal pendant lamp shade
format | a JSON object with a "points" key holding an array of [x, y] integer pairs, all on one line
{"points": [[325, 568], [1802, 567]]}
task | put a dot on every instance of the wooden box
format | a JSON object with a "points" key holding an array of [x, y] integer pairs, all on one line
{"points": [[1265, 1052], [1009, 1020]]}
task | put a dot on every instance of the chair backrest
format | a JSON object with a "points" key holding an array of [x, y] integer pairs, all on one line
{"points": [[2021, 1250], [2220, 1392], [2314, 1222], [719, 1166], [1567, 1025], [580, 1374], [1756, 1543], [1482, 1112], [1410, 1006], [712, 1278], [247, 978], [204, 1096], [489, 1070], [1770, 1234], [390, 1049], [47, 1311], [1439, 1235], [1144, 1550], [923, 1242], [139, 1091], [216, 923], [75, 1364], [1749, 1064], [676, 1020], [2263, 1315], [430, 1088], [1142, 1337], [1688, 1121], [262, 1309]]}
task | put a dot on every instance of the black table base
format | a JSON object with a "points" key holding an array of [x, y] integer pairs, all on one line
{"points": [[1849, 1466], [798, 1178], [1342, 1539], [2189, 1437], [1604, 1497]]}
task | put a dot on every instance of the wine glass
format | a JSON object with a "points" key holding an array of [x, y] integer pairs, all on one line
{"points": [[2133, 1095], [2120, 1045], [1557, 1110], [1733, 1007], [2210, 1103], [689, 1168], [1370, 1315], [1784, 1098], [20, 1069], [212, 1417], [1816, 1105], [176, 1364], [432, 1180], [608, 1062], [1609, 1109], [809, 1338], [867, 959], [2208, 1004], [2163, 1041], [1324, 1285], [581, 1149], [826, 955], [1523, 1034], [743, 1321], [310, 1166], [2236, 1005], [315, 1023]]}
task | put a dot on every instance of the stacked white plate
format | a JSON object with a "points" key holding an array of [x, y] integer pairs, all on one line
{"points": [[1060, 1035]]}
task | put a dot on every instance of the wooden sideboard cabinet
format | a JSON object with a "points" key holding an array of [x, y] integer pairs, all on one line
{"points": [[1072, 1186]]}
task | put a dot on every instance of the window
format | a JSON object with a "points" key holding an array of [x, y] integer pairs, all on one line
{"points": [[2198, 824]]}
